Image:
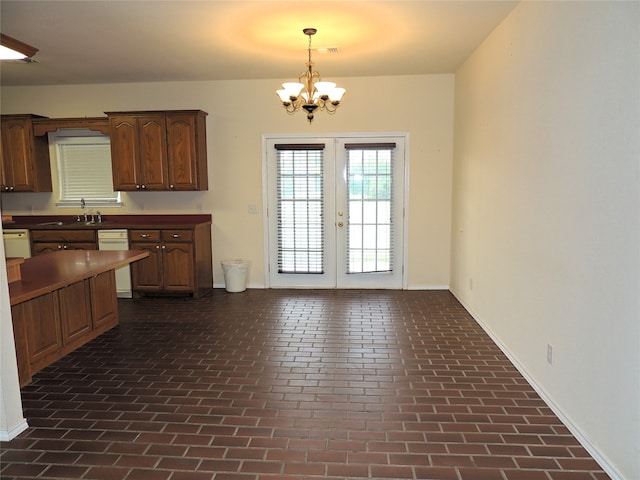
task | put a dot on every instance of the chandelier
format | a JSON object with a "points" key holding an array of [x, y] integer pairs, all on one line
{"points": [[310, 93]]}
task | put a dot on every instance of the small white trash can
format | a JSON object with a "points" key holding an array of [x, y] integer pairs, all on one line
{"points": [[235, 275]]}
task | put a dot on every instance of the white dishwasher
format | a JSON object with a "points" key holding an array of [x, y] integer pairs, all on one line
{"points": [[117, 240], [16, 243]]}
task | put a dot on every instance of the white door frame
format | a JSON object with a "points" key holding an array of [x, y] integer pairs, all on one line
{"points": [[298, 137]]}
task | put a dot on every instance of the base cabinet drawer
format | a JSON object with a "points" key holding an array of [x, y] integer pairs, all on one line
{"points": [[45, 241]]}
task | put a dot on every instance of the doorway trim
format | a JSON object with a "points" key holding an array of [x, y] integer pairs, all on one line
{"points": [[297, 137]]}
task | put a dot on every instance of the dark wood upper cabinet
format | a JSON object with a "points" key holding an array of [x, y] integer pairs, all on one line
{"points": [[24, 158], [163, 150]]}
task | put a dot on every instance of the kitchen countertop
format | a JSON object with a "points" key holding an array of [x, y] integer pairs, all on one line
{"points": [[69, 222], [49, 272]]}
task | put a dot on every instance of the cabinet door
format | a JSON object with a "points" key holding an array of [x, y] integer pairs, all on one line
{"points": [[75, 312], [146, 274], [42, 322], [187, 151], [178, 267], [17, 138], [124, 153], [104, 301], [20, 318], [181, 149], [152, 137]]}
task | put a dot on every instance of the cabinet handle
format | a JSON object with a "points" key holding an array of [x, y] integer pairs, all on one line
{"points": [[144, 187], [164, 246], [176, 235], [171, 187], [158, 247], [137, 187], [60, 247], [64, 247], [145, 235]]}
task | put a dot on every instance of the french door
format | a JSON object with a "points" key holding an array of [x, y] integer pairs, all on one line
{"points": [[335, 211]]}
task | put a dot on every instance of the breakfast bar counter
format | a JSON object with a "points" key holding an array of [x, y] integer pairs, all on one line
{"points": [[52, 271], [63, 300]]}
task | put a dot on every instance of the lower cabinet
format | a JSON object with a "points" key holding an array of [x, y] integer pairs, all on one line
{"points": [[179, 261], [50, 326], [75, 312], [45, 241]]}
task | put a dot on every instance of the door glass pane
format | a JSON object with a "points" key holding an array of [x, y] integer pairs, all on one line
{"points": [[300, 211], [369, 185]]}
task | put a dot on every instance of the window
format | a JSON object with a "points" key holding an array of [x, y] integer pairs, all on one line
{"points": [[370, 192], [300, 208], [83, 158]]}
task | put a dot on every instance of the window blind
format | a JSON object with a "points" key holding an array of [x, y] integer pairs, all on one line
{"points": [[84, 170], [370, 206], [300, 191]]}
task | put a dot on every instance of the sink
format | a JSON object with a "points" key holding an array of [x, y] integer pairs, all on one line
{"points": [[71, 223], [57, 224]]}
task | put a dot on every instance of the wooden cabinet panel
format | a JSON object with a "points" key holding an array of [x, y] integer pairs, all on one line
{"points": [[16, 141], [19, 318], [180, 235], [45, 241], [63, 235], [75, 312], [177, 259], [146, 274], [161, 150], [24, 158], [104, 300], [152, 152], [144, 235], [187, 151], [40, 248], [124, 152], [42, 322]]}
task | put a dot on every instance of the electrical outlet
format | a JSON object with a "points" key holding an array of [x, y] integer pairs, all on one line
{"points": [[550, 354]]}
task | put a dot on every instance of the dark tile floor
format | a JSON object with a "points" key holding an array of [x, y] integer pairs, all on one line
{"points": [[291, 385]]}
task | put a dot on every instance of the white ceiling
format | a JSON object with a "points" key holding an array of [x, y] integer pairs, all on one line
{"points": [[116, 41]]}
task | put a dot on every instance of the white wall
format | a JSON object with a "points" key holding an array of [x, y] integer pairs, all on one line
{"points": [[240, 112], [11, 420], [546, 215]]}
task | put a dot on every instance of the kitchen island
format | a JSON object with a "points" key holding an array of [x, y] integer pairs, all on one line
{"points": [[63, 300]]}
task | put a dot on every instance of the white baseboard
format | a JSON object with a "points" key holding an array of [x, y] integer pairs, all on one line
{"points": [[427, 287], [7, 435], [574, 429]]}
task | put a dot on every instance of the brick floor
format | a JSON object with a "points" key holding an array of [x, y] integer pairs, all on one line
{"points": [[291, 385]]}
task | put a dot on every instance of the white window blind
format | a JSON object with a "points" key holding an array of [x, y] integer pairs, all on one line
{"points": [[300, 208], [84, 170], [371, 199]]}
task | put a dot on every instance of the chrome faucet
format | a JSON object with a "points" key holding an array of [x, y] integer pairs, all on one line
{"points": [[84, 209]]}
